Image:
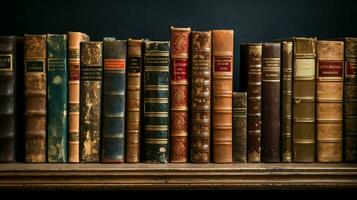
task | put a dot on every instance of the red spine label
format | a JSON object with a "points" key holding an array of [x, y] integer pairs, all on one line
{"points": [[179, 72], [330, 69], [223, 64], [351, 67], [114, 64]]}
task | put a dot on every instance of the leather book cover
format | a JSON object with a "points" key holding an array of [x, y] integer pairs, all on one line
{"points": [[156, 101], [200, 96], [286, 100], [133, 100], [222, 91], [180, 54], [35, 98], [57, 98], [11, 111], [74, 39], [251, 65], [329, 100], [113, 99], [304, 100], [91, 91], [271, 62], [239, 127], [350, 100]]}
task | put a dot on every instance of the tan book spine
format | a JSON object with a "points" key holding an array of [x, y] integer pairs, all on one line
{"points": [[222, 51], [329, 97]]}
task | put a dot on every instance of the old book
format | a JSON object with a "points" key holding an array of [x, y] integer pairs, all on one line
{"points": [[251, 64], [200, 96], [222, 73], [271, 63], [156, 101], [57, 98], [113, 114], [239, 127], [286, 100], [133, 100], [180, 54], [11, 109], [90, 100], [35, 98], [304, 100], [329, 97], [74, 39], [350, 100]]}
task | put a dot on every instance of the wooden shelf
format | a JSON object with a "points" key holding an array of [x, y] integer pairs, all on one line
{"points": [[169, 176]]}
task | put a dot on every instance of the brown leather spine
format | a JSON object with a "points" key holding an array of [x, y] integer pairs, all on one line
{"points": [[180, 47], [271, 102], [239, 127], [222, 52], [36, 99], [133, 107], [329, 97], [201, 97]]}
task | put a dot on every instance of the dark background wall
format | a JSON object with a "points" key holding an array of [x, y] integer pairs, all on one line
{"points": [[252, 20]]}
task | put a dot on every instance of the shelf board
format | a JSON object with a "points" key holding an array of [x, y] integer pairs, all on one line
{"points": [[170, 176]]}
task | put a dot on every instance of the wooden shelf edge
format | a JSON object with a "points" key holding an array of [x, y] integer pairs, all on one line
{"points": [[177, 176]]}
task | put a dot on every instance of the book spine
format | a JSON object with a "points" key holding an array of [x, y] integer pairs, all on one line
{"points": [[133, 109], [304, 100], [113, 114], [329, 97], [180, 46], [74, 39], [36, 98], [222, 53], [156, 101], [201, 96], [90, 100], [57, 98], [350, 100], [286, 101], [239, 127]]}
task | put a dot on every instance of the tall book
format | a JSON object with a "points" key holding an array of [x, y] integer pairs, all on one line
{"points": [[113, 114], [304, 100], [180, 54], [251, 64], [133, 100], [35, 98], [57, 98], [200, 96], [156, 101], [11, 111], [329, 100], [222, 72], [271, 62], [350, 100], [286, 100], [90, 100], [239, 127], [74, 39]]}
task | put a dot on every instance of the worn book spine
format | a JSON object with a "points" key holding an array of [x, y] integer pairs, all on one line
{"points": [[57, 98], [180, 54], [350, 100], [200, 96], [286, 100], [304, 100], [251, 63], [11, 65], [133, 100], [113, 114], [156, 101], [90, 100], [35, 98], [271, 62], [239, 127], [329, 100], [74, 39], [222, 72]]}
